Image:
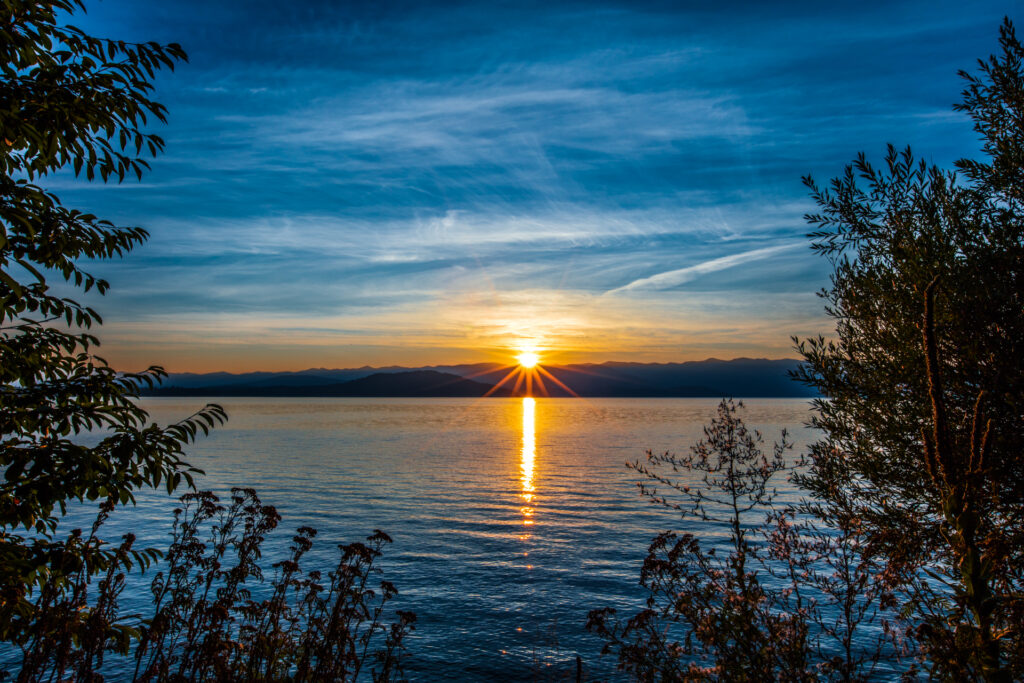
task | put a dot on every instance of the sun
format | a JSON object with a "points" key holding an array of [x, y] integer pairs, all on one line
{"points": [[528, 359]]}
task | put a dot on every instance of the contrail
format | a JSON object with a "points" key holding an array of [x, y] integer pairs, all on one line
{"points": [[673, 278]]}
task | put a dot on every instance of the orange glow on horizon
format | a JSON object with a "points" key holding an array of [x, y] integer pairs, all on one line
{"points": [[526, 377]]}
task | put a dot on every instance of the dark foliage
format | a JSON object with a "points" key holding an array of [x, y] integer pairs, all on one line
{"points": [[924, 388], [785, 600], [912, 539], [206, 624], [65, 635], [68, 99], [71, 100]]}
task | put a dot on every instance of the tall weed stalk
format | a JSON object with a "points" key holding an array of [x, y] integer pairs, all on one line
{"points": [[215, 617], [781, 598]]}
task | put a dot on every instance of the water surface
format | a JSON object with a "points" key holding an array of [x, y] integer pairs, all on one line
{"points": [[511, 518]]}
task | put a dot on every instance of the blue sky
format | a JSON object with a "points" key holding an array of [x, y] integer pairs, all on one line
{"points": [[414, 183]]}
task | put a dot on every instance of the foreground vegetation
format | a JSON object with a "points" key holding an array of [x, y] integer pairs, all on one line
{"points": [[72, 101], [785, 597], [906, 558], [205, 622], [908, 555]]}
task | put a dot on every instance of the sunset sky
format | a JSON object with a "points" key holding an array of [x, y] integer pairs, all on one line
{"points": [[417, 183]]}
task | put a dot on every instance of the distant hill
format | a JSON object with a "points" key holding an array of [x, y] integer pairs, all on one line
{"points": [[413, 383], [741, 378], [712, 378]]}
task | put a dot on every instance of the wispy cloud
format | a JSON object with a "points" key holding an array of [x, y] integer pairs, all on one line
{"points": [[367, 180], [680, 276]]}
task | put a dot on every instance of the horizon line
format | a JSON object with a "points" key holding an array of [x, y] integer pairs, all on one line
{"points": [[483, 362]]}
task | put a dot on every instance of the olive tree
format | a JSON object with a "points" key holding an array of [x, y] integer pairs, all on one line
{"points": [[923, 380]]}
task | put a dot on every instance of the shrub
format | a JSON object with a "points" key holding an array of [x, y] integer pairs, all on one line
{"points": [[206, 623], [788, 599]]}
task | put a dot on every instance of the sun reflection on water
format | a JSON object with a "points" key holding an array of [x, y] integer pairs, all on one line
{"points": [[528, 455]]}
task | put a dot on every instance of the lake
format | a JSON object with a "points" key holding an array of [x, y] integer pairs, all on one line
{"points": [[511, 518]]}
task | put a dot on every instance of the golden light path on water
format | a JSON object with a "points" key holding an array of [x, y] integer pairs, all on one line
{"points": [[528, 455]]}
